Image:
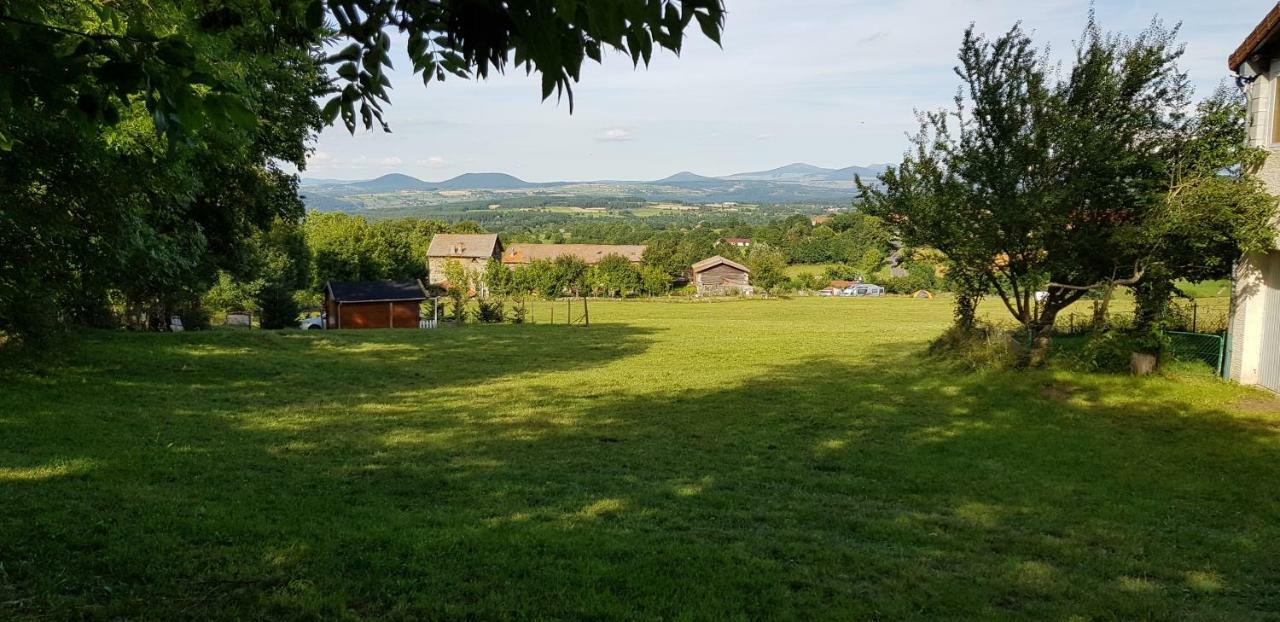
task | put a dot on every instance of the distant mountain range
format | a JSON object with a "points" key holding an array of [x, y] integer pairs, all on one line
{"points": [[793, 183], [798, 173], [804, 173]]}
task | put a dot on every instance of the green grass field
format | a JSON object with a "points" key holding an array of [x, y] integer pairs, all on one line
{"points": [[691, 460]]}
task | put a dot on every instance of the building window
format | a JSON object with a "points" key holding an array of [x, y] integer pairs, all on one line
{"points": [[1275, 112]]}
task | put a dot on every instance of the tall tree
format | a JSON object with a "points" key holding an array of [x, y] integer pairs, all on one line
{"points": [[1033, 180]]}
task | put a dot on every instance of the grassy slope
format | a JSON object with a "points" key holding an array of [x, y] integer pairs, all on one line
{"points": [[699, 460]]}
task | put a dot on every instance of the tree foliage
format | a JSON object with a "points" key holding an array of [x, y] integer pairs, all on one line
{"points": [[614, 276], [1213, 208], [104, 216], [768, 267], [350, 248], [141, 142], [1033, 179]]}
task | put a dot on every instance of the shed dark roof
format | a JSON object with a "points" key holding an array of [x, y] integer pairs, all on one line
{"points": [[375, 291]]}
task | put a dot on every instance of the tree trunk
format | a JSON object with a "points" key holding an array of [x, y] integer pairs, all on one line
{"points": [[1143, 364], [1041, 336], [1151, 300], [968, 295]]}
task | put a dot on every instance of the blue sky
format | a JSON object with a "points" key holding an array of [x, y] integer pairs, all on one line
{"points": [[828, 82]]}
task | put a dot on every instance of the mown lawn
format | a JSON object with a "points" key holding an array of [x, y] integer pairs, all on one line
{"points": [[735, 460]]}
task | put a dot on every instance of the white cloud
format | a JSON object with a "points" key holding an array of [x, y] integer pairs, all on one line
{"points": [[614, 135], [433, 162], [391, 161]]}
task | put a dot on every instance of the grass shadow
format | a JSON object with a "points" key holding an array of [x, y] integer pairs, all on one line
{"points": [[436, 474]]}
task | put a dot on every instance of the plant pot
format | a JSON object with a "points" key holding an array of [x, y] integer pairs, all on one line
{"points": [[1143, 364]]}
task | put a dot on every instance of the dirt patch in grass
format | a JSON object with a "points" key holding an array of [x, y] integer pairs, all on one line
{"points": [[1261, 404], [1058, 391]]}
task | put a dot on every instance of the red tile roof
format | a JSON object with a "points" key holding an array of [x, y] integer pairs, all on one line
{"points": [[591, 254]]}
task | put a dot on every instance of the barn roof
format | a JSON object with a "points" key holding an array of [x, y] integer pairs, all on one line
{"points": [[376, 291], [711, 262], [1262, 35], [464, 245], [588, 253]]}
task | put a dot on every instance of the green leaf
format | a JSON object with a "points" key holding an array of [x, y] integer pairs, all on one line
{"points": [[710, 25], [315, 15], [347, 71], [349, 53], [238, 111], [331, 109], [548, 84]]}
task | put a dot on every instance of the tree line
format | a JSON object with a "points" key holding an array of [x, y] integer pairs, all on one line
{"points": [[284, 268]]}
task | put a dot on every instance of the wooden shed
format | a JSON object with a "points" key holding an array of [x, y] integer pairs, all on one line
{"points": [[373, 304], [718, 276]]}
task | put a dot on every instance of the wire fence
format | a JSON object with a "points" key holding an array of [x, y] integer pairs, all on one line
{"points": [[1182, 317], [1198, 348], [1196, 333]]}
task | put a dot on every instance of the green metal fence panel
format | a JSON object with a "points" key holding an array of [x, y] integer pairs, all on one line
{"points": [[1202, 347]]}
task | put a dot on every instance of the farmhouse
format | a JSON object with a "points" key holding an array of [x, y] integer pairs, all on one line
{"points": [[591, 254], [739, 242], [718, 276], [373, 304], [473, 251], [1254, 330]]}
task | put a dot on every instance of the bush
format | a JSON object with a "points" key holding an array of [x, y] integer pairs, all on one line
{"points": [[1110, 350], [519, 312], [489, 311], [1107, 351], [277, 307], [458, 309], [194, 318], [984, 347]]}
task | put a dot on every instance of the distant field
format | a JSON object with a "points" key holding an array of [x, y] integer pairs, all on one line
{"points": [[767, 459], [808, 268]]}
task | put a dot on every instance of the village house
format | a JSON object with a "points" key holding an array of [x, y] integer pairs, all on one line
{"points": [[738, 242], [590, 254], [373, 304], [473, 251], [1254, 331], [717, 276]]}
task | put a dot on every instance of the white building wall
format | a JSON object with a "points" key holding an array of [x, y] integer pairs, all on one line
{"points": [[1251, 276]]}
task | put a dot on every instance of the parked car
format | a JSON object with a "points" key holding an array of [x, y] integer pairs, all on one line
{"points": [[310, 323], [863, 289]]}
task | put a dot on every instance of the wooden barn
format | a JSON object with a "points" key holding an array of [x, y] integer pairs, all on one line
{"points": [[373, 304], [718, 276]]}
